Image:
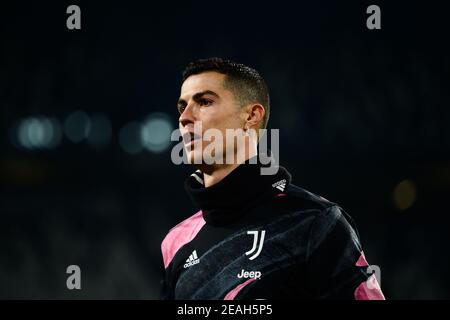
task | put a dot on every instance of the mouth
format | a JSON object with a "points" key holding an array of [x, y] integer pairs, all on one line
{"points": [[190, 138]]}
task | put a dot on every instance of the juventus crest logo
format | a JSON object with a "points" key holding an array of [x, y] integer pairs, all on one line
{"points": [[257, 245]]}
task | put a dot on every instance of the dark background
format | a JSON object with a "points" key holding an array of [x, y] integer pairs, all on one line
{"points": [[363, 118]]}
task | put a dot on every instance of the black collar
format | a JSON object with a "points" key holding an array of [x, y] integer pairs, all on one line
{"points": [[226, 201]]}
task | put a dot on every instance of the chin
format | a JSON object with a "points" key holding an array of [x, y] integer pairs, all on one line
{"points": [[194, 157]]}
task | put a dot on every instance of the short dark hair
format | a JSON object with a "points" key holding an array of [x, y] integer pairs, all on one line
{"points": [[246, 83]]}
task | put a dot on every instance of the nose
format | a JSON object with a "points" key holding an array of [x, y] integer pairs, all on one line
{"points": [[187, 116]]}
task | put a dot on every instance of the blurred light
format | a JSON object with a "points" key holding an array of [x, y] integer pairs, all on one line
{"points": [[155, 132], [100, 131], [22, 134], [36, 132], [405, 194], [39, 132], [56, 133], [129, 138], [77, 126]]}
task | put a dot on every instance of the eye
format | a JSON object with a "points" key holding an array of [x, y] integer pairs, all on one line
{"points": [[181, 108], [205, 102]]}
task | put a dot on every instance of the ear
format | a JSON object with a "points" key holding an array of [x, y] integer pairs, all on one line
{"points": [[255, 115]]}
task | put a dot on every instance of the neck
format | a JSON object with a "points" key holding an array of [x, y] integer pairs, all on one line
{"points": [[213, 174]]}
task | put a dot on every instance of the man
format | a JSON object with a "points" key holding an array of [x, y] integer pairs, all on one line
{"points": [[256, 236]]}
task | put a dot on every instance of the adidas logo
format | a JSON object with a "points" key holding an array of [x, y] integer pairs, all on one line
{"points": [[280, 185], [193, 259]]}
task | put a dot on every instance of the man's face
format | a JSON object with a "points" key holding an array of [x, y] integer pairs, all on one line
{"points": [[203, 98]]}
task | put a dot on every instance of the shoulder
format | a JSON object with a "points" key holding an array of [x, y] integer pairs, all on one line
{"points": [[297, 199], [307, 198], [328, 220], [180, 235]]}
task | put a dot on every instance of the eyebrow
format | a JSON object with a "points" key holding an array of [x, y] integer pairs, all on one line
{"points": [[197, 97]]}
